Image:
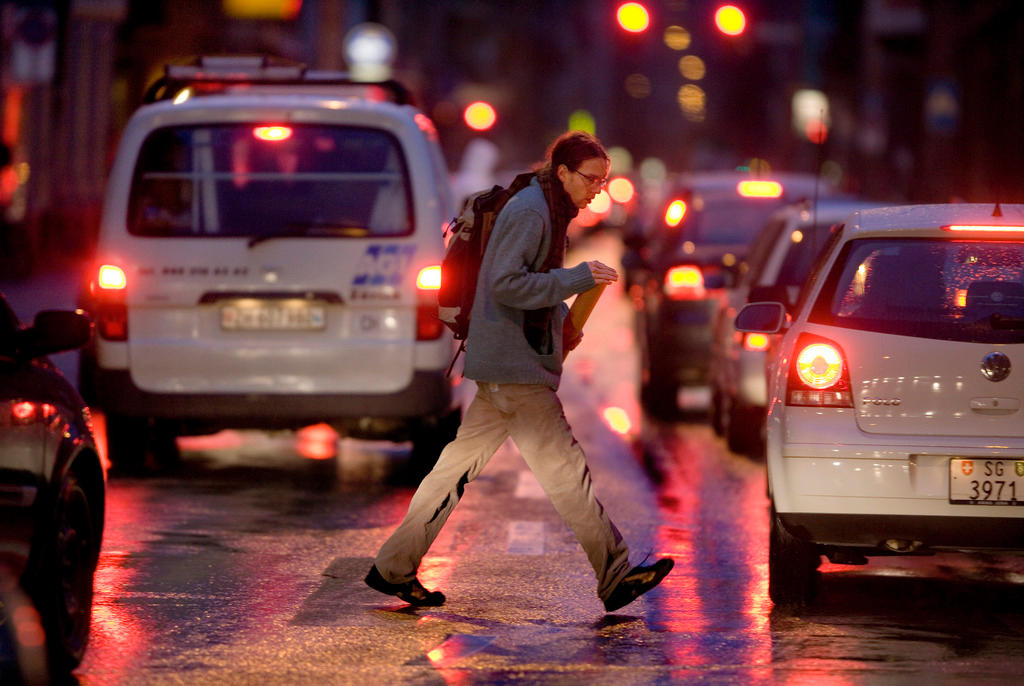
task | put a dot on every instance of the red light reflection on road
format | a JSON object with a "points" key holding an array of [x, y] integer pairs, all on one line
{"points": [[118, 631], [715, 602]]}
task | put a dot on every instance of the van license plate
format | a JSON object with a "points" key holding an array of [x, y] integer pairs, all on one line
{"points": [[272, 316], [986, 482]]}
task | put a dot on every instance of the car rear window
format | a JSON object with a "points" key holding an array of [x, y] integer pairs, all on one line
{"points": [[731, 222], [247, 180], [931, 288]]}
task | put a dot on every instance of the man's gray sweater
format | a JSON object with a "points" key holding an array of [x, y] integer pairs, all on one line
{"points": [[509, 284]]}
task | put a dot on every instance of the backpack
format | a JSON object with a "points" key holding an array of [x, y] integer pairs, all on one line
{"points": [[460, 268]]}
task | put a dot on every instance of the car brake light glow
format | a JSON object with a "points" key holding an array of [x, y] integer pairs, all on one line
{"points": [[429, 278], [675, 213], [755, 342], [111, 277], [819, 365], [984, 228], [272, 133], [818, 375], [759, 189], [685, 282]]}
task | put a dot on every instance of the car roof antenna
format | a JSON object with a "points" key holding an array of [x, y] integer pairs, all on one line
{"points": [[997, 211]]}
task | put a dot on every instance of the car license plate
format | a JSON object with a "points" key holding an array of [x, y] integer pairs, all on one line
{"points": [[986, 482], [272, 315]]}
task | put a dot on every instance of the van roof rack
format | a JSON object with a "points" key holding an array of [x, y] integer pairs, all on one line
{"points": [[215, 74]]}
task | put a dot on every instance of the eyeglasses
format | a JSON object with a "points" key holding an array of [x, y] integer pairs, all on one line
{"points": [[598, 181]]}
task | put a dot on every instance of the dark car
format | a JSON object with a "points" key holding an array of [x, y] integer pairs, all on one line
{"points": [[52, 489], [692, 255]]}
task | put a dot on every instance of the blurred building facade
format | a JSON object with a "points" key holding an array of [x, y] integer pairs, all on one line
{"points": [[923, 96]]}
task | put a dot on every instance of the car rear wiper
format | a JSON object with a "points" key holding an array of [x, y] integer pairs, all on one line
{"points": [[314, 230]]}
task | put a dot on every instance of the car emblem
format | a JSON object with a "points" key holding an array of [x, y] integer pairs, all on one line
{"points": [[995, 366], [967, 466]]}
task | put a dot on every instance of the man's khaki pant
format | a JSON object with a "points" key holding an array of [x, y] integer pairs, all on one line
{"points": [[532, 416]]}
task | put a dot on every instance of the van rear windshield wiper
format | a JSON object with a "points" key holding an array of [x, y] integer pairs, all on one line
{"points": [[314, 230]]}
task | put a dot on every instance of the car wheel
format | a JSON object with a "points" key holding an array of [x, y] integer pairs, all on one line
{"points": [[127, 439], [792, 567], [742, 428], [65, 581], [717, 425], [429, 441]]}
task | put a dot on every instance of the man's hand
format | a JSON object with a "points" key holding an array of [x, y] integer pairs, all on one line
{"points": [[602, 273]]}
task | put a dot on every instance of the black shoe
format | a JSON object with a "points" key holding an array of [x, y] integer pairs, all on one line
{"points": [[639, 580], [411, 592]]}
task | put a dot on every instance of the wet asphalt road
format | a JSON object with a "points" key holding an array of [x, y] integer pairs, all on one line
{"points": [[244, 565]]}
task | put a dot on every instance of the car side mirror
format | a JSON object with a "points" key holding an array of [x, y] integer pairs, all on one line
{"points": [[762, 317], [56, 331]]}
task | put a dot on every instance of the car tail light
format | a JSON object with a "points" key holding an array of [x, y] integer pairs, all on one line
{"points": [[685, 282], [428, 281], [110, 313], [818, 374], [759, 189], [675, 212], [755, 341]]}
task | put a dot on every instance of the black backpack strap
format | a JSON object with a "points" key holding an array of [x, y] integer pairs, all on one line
{"points": [[462, 346]]}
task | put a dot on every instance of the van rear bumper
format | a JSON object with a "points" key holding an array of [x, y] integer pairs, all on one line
{"points": [[428, 395]]}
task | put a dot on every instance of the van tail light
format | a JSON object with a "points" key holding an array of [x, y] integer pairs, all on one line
{"points": [[110, 312], [428, 282], [684, 282], [819, 375], [111, 278], [755, 342]]}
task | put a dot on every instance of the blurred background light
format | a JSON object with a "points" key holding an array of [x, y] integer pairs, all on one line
{"points": [[677, 38], [638, 86], [479, 116], [621, 189], [692, 67], [369, 51], [621, 158], [582, 120], [693, 102]]}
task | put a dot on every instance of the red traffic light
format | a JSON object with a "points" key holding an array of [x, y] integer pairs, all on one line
{"points": [[730, 20], [633, 17]]}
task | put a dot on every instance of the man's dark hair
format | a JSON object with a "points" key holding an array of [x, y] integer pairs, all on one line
{"points": [[573, 148]]}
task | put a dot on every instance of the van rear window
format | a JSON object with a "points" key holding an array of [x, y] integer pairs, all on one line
{"points": [[956, 290], [265, 182]]}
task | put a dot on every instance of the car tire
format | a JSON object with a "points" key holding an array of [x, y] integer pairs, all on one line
{"points": [[63, 587], [792, 567], [127, 441], [742, 428], [717, 425], [429, 441]]}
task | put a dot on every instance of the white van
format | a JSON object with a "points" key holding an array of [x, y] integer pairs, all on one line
{"points": [[269, 257]]}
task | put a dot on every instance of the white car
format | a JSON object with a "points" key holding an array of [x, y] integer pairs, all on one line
{"points": [[895, 406], [269, 257], [776, 267]]}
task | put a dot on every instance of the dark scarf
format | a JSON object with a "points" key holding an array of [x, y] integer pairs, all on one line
{"points": [[537, 323]]}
